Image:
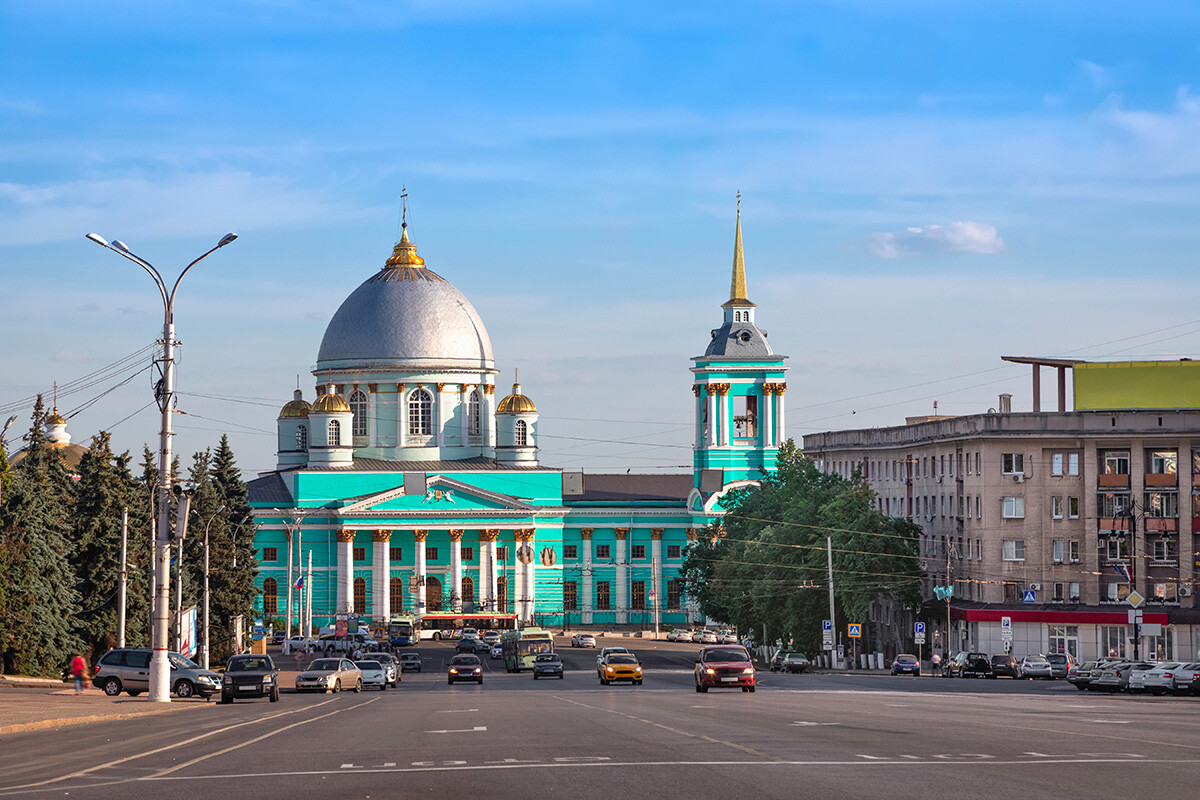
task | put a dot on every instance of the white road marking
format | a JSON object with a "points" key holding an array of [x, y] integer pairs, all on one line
{"points": [[583, 758], [805, 722], [458, 711], [463, 730], [350, 766], [1108, 721], [389, 764]]}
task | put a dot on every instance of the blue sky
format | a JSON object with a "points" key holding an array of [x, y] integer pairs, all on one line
{"points": [[926, 186]]}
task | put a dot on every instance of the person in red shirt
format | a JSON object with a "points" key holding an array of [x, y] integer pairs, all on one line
{"points": [[79, 670]]}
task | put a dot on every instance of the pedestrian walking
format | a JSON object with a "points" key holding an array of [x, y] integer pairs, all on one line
{"points": [[936, 659], [79, 672]]}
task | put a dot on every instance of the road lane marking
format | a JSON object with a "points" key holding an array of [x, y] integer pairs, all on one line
{"points": [[806, 722], [458, 711], [1108, 721], [463, 730]]}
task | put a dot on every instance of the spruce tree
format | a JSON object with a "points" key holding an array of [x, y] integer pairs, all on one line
{"points": [[231, 542]]}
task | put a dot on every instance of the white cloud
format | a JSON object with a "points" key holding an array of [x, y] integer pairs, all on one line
{"points": [[957, 237]]}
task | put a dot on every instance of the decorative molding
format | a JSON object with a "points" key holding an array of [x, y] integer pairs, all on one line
{"points": [[345, 535], [693, 534], [489, 535], [456, 534], [723, 389], [372, 387], [381, 535], [656, 534], [710, 389], [621, 534], [441, 387], [489, 388], [586, 533], [420, 534], [399, 388], [697, 389], [525, 535]]}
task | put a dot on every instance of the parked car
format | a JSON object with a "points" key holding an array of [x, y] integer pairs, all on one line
{"points": [[250, 676], [547, 665], [697, 636], [1115, 677], [906, 664], [491, 637], [409, 661], [583, 640], [1004, 664], [708, 637], [330, 675], [1156, 681], [604, 653], [1080, 675], [1187, 679], [128, 670], [795, 663], [724, 667], [970, 665], [620, 667], [726, 636], [374, 673], [679, 635], [1060, 664], [278, 636], [465, 668], [1035, 666], [777, 660]]}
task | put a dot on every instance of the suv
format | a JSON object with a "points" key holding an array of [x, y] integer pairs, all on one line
{"points": [[1004, 664], [1060, 664], [724, 666], [250, 676], [128, 671]]}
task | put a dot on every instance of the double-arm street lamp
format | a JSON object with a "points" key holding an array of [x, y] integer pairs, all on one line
{"points": [[164, 393]]}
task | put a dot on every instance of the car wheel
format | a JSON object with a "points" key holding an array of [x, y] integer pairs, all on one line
{"points": [[745, 689], [449, 681], [701, 688], [337, 687], [274, 695], [535, 676], [752, 688], [560, 677], [638, 682], [226, 699], [358, 687], [383, 687], [183, 689], [134, 692]]}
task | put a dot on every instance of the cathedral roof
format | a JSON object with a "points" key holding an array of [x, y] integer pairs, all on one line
{"points": [[516, 403], [405, 315], [297, 407], [330, 403]]}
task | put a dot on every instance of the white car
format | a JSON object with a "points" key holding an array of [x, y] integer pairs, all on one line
{"points": [[679, 635], [1158, 680], [297, 643], [726, 637], [390, 666], [708, 637], [497, 651], [374, 673]]}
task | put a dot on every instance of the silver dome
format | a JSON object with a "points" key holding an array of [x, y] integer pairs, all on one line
{"points": [[405, 317], [739, 340]]}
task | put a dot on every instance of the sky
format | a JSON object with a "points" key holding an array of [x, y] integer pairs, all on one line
{"points": [[926, 186]]}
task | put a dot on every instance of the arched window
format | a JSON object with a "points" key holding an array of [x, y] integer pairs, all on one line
{"points": [[433, 594], [270, 596], [335, 433], [473, 426], [522, 433], [360, 595], [468, 590], [302, 437], [396, 591], [420, 413], [502, 595], [358, 407]]}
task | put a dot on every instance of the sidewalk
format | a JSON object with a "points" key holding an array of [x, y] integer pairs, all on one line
{"points": [[31, 704]]}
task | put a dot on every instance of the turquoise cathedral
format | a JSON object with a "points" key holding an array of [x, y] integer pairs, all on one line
{"points": [[411, 490]]}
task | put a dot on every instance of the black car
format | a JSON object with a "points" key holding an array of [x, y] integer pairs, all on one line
{"points": [[466, 646], [409, 662], [465, 668], [1004, 664], [547, 665], [778, 659], [970, 665], [481, 646], [250, 676]]}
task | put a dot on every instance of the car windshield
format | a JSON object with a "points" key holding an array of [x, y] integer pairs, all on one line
{"points": [[368, 665], [248, 665], [547, 658], [621, 658], [608, 650], [732, 654], [409, 656], [1057, 659], [325, 665], [459, 661], [907, 659], [180, 662]]}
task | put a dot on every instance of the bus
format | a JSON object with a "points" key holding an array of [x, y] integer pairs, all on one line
{"points": [[403, 630], [446, 624], [520, 647]]}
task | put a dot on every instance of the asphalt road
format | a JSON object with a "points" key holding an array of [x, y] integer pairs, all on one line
{"points": [[798, 736]]}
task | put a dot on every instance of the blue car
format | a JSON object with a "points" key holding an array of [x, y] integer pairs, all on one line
{"points": [[906, 663]]}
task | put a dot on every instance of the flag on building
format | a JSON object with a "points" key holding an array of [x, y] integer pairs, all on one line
{"points": [[1123, 570], [299, 584]]}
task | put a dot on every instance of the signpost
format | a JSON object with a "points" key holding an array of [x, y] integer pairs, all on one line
{"points": [[1006, 632], [1029, 596], [826, 634], [919, 639], [854, 631]]}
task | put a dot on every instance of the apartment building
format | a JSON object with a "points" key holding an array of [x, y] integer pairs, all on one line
{"points": [[1052, 519]]}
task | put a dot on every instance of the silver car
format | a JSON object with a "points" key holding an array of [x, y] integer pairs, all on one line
{"points": [[1035, 667], [1156, 681], [128, 670], [330, 675], [373, 673]]}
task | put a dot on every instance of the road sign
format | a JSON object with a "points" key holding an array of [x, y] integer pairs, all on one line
{"points": [[1029, 596], [919, 627], [1006, 628], [1135, 598], [1135, 617], [827, 625], [854, 630], [919, 638]]}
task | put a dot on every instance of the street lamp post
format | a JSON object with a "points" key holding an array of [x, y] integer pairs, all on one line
{"points": [[207, 647], [164, 392]]}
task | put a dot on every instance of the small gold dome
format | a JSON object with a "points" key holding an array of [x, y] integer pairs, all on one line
{"points": [[55, 418], [298, 407], [328, 403], [516, 403], [405, 254]]}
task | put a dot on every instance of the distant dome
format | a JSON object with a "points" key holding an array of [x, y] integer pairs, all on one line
{"points": [[330, 403], [405, 315], [739, 340], [298, 407], [516, 403]]}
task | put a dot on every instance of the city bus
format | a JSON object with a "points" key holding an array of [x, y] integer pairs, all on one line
{"points": [[520, 647], [403, 630], [447, 624]]}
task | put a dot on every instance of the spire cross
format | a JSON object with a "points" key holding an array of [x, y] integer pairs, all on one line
{"points": [[403, 206]]}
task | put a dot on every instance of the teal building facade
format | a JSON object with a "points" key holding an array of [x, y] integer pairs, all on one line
{"points": [[410, 490]]}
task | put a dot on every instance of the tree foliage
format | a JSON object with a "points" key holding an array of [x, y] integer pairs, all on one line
{"points": [[765, 564]]}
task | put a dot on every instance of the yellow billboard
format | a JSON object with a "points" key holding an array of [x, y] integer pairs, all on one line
{"points": [[1136, 384]]}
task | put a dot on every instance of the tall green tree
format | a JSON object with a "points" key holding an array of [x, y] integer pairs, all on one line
{"points": [[233, 566], [765, 563]]}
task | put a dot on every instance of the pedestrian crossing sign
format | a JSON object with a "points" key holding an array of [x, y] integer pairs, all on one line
{"points": [[854, 630]]}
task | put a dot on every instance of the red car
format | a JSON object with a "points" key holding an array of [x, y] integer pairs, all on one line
{"points": [[724, 667]]}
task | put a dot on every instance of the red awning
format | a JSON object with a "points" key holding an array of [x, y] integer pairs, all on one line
{"points": [[1115, 617]]}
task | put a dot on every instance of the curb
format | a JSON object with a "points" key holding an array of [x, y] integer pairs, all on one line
{"points": [[46, 724]]}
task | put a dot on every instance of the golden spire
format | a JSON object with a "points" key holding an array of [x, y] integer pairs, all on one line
{"points": [[737, 287], [405, 252]]}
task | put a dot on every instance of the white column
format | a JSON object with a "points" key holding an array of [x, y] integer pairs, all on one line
{"points": [[622, 577], [518, 579], [419, 551], [439, 414], [345, 571], [463, 404], [372, 425], [381, 575], [401, 416], [586, 577], [492, 568], [767, 423], [725, 423], [711, 428], [780, 435], [656, 584], [456, 601]]}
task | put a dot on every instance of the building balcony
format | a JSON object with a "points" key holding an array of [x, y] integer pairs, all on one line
{"points": [[1160, 480], [1113, 481], [1162, 524], [1114, 523]]}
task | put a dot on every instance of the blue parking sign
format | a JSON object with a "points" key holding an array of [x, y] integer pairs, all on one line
{"points": [[919, 627], [826, 624]]}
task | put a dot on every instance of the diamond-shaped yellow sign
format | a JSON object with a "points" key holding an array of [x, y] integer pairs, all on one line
{"points": [[1135, 599]]}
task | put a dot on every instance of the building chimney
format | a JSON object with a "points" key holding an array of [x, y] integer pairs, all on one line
{"points": [[1005, 403]]}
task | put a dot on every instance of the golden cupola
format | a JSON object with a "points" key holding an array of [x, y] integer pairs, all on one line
{"points": [[330, 404], [404, 255], [516, 403], [297, 407]]}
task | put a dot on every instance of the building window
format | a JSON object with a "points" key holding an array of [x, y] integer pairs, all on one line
{"points": [[270, 596], [360, 554], [978, 463], [395, 554], [674, 591], [570, 551], [1056, 508], [335, 433], [979, 549], [360, 595], [473, 414], [433, 593], [1112, 504], [1165, 593], [603, 596], [270, 554], [502, 554], [639, 595], [745, 425], [468, 554], [1056, 464], [1116, 462], [1116, 549], [1073, 591], [396, 596], [521, 433], [1162, 462], [570, 596], [1073, 507], [603, 551], [674, 551], [431, 553], [637, 551], [1014, 549], [1072, 463], [502, 595], [1013, 463], [1164, 550], [420, 413], [968, 506], [1073, 551], [358, 407], [468, 590], [1117, 592], [1058, 550], [1058, 596], [302, 437], [1014, 508], [1162, 505]]}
